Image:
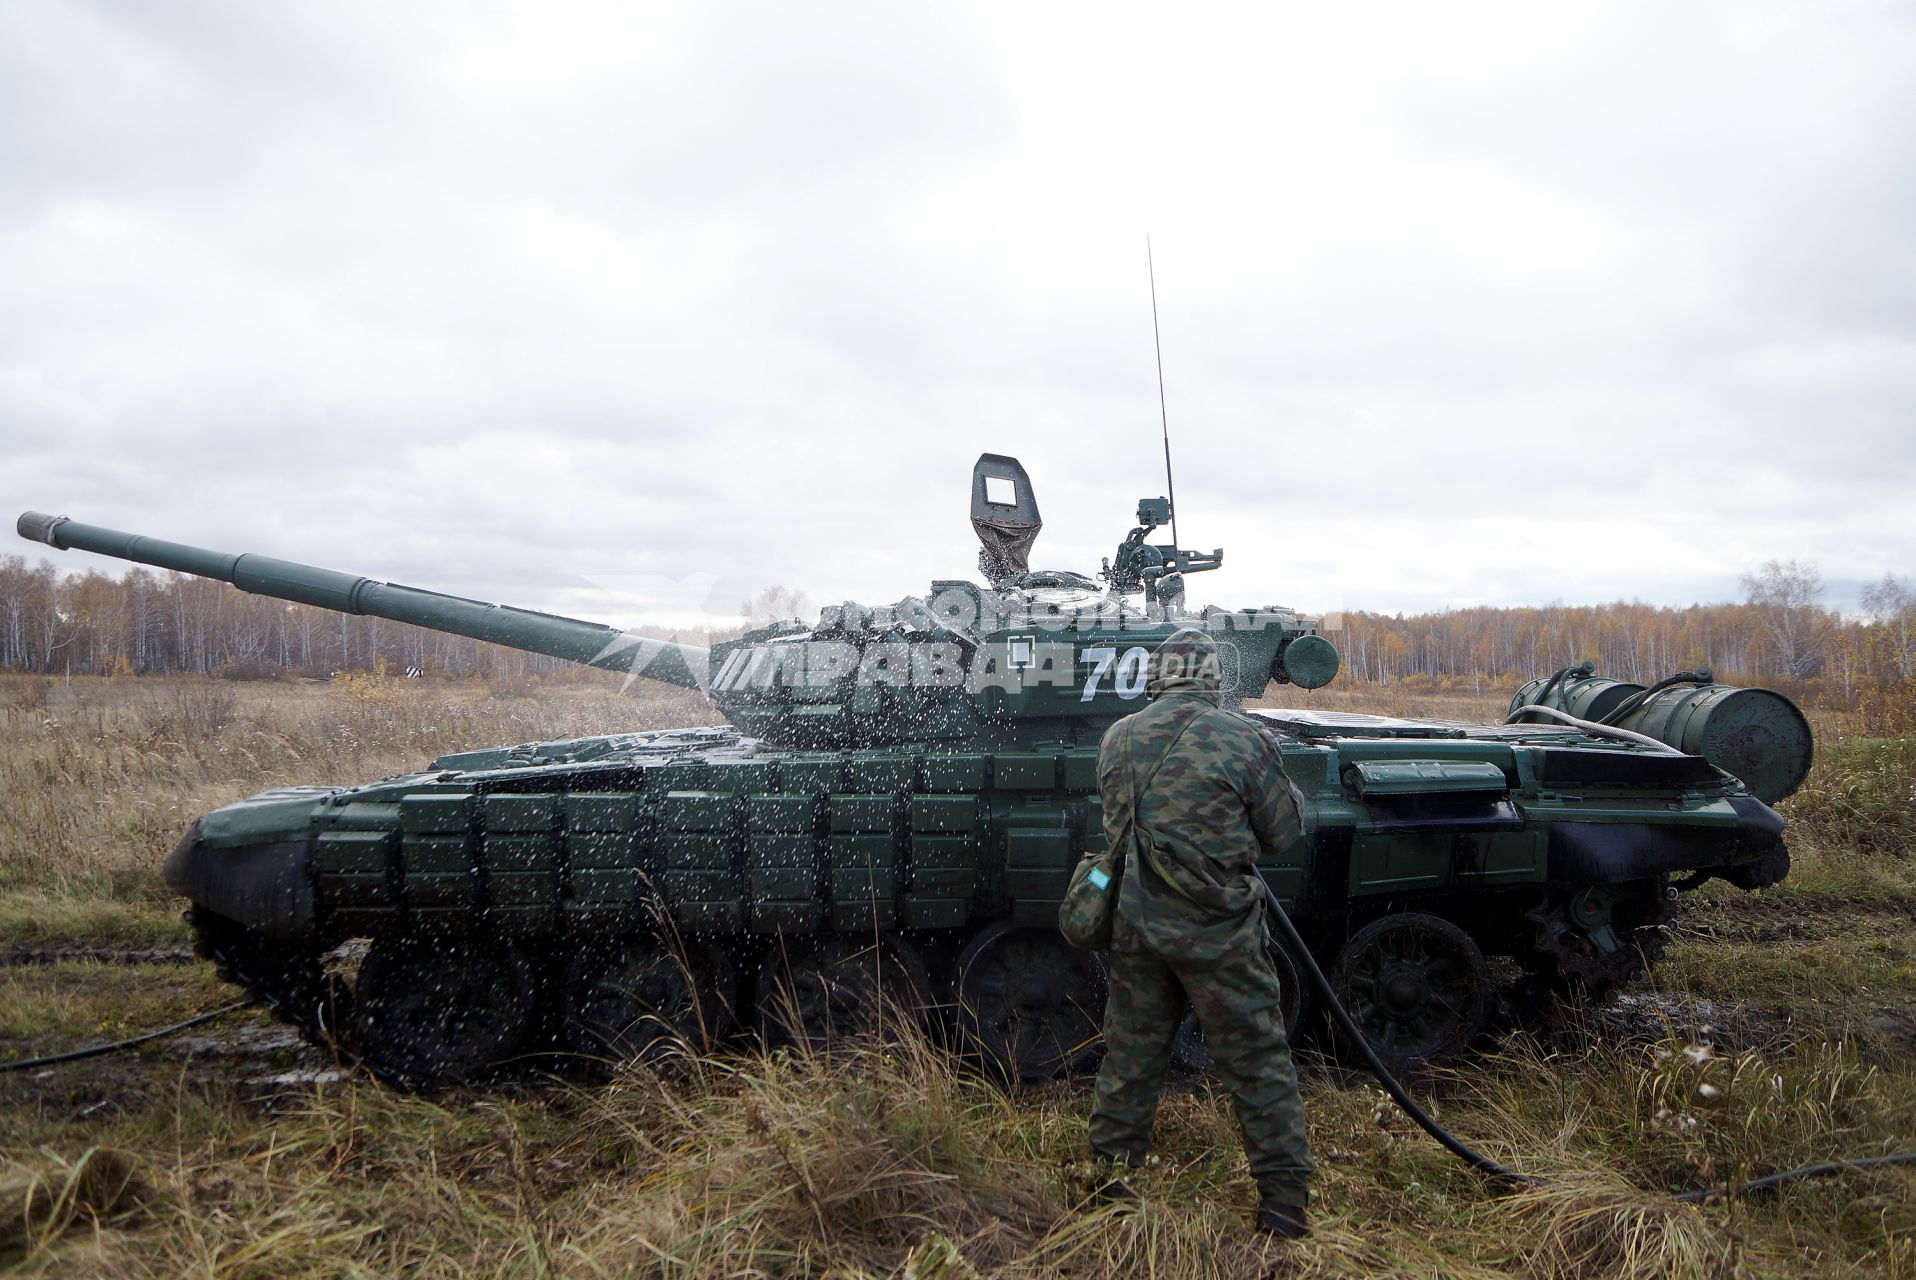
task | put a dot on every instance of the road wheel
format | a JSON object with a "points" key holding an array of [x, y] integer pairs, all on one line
{"points": [[437, 1011], [1029, 1005], [834, 990], [633, 999], [1416, 985]]}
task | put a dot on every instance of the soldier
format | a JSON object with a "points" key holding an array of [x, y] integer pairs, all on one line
{"points": [[1198, 793]]}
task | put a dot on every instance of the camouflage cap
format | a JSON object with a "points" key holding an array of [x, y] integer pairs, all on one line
{"points": [[1187, 662]]}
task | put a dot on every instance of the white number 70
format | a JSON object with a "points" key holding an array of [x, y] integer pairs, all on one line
{"points": [[1130, 679]]}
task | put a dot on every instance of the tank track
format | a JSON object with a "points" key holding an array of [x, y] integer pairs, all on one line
{"points": [[286, 980], [1562, 964]]}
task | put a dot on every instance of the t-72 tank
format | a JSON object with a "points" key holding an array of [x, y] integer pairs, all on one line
{"points": [[896, 805]]}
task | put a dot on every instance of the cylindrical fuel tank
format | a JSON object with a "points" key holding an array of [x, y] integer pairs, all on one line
{"points": [[1586, 697], [1757, 735]]}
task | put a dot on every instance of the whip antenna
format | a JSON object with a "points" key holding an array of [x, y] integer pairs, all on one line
{"points": [[1164, 419]]}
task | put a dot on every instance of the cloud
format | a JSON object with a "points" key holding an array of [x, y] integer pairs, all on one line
{"points": [[1492, 304]]}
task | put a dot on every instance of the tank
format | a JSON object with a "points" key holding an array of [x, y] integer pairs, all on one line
{"points": [[889, 815]]}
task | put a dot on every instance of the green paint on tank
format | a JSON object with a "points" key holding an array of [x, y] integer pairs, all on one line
{"points": [[898, 784]]}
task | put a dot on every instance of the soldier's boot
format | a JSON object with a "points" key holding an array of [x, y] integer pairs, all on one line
{"points": [[1111, 1188], [1284, 1219]]}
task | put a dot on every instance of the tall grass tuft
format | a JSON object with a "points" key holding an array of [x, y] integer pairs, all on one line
{"points": [[887, 1159], [1590, 1223], [42, 1199], [1861, 796]]}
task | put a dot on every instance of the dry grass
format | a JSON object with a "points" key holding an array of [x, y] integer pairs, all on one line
{"points": [[98, 779], [1861, 797], [885, 1161], [1589, 1223], [40, 1200]]}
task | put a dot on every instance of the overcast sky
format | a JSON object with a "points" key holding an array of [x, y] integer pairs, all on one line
{"points": [[610, 307]]}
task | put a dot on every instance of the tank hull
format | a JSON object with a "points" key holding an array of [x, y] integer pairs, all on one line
{"points": [[718, 842]]}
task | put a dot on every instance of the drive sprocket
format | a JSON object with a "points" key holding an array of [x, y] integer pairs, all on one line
{"points": [[284, 978], [1568, 960]]}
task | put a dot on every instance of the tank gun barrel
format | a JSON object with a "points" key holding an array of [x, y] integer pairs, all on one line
{"points": [[590, 643]]}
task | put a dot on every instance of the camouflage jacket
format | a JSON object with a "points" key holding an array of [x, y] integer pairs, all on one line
{"points": [[1216, 801]]}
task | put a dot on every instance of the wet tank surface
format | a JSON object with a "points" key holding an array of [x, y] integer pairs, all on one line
{"points": [[890, 813]]}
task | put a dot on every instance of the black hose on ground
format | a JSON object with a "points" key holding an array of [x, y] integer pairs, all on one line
{"points": [[1775, 1180], [100, 1050], [1477, 1160]]}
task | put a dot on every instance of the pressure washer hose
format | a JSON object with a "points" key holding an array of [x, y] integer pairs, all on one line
{"points": [[100, 1050], [1476, 1159], [1321, 984]]}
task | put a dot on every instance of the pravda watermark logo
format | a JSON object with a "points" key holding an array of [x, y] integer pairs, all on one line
{"points": [[962, 636], [682, 604]]}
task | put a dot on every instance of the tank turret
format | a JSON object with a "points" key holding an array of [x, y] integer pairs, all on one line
{"points": [[1034, 655]]}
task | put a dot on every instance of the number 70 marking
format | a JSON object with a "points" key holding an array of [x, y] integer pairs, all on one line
{"points": [[1129, 680]]}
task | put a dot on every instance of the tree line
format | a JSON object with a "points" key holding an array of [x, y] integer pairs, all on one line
{"points": [[143, 622], [1781, 633]]}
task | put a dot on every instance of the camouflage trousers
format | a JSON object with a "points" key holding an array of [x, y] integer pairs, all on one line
{"points": [[1237, 1005]]}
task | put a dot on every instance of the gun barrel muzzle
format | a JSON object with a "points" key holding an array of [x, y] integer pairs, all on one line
{"points": [[37, 526]]}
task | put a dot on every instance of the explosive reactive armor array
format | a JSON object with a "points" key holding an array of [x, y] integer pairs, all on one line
{"points": [[894, 810]]}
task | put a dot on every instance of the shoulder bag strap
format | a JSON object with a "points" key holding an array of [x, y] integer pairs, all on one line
{"points": [[1137, 798]]}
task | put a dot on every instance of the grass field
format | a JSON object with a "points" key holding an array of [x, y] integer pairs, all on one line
{"points": [[1780, 1029]]}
